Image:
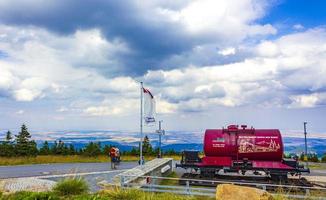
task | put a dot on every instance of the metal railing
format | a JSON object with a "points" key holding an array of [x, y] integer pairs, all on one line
{"points": [[152, 184]]}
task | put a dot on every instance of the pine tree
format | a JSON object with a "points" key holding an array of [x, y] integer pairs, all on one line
{"points": [[134, 151], [7, 146], [54, 148], [92, 149], [147, 147], [24, 146], [323, 159], [106, 149], [45, 149], [60, 148], [72, 150], [8, 137], [65, 150]]}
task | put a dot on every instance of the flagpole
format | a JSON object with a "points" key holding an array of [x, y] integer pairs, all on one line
{"points": [[141, 124]]}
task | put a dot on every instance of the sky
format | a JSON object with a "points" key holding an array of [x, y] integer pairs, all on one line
{"points": [[76, 65]]}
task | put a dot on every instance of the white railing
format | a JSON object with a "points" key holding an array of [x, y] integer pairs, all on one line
{"points": [[151, 184]]}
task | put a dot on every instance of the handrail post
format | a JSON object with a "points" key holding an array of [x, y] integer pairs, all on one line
{"points": [[307, 192], [122, 181], [187, 187], [151, 184]]}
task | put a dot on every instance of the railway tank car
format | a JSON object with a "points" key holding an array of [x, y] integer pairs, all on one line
{"points": [[242, 149]]}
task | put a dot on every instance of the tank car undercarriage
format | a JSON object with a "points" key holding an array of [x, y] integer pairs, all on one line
{"points": [[219, 168]]}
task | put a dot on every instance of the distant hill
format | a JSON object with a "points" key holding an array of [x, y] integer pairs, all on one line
{"points": [[292, 145], [177, 140]]}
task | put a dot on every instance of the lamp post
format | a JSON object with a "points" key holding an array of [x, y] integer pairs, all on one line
{"points": [[160, 132]]}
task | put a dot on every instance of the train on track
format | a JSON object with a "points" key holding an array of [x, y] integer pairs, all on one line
{"points": [[241, 149]]}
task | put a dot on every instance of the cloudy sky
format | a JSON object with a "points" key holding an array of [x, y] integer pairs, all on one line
{"points": [[76, 65]]}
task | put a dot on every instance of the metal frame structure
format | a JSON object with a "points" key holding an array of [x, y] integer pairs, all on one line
{"points": [[152, 185]]}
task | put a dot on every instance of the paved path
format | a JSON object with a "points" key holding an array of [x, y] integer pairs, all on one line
{"points": [[55, 169], [91, 172]]}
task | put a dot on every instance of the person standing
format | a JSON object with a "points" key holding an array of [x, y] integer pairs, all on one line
{"points": [[113, 155]]}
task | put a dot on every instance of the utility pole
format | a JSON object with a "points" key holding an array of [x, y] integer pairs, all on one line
{"points": [[305, 137], [160, 133], [305, 142]]}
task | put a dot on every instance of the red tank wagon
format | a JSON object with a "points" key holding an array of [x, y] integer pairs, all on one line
{"points": [[242, 149]]}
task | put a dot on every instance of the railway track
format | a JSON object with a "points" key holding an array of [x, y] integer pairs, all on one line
{"points": [[291, 185]]}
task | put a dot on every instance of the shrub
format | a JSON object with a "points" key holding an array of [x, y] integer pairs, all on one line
{"points": [[71, 186], [43, 196]]}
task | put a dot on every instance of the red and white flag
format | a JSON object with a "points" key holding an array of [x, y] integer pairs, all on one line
{"points": [[149, 107]]}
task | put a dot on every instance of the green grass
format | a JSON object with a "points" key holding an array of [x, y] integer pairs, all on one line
{"points": [[67, 159], [77, 189], [31, 196], [169, 181], [316, 165], [71, 186], [115, 194]]}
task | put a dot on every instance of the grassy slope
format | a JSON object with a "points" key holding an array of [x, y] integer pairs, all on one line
{"points": [[66, 159]]}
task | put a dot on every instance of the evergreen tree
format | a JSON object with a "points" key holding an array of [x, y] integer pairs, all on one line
{"points": [[92, 149], [7, 146], [323, 159], [65, 150], [33, 151], [24, 146], [72, 150], [60, 148], [8, 137], [106, 150], [54, 148], [134, 151], [45, 149], [313, 157], [147, 147]]}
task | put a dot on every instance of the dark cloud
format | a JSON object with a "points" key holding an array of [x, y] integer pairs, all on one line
{"points": [[151, 40], [156, 41]]}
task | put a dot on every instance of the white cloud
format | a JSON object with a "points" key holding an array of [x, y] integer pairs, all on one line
{"points": [[267, 49], [164, 107], [227, 51], [20, 112], [298, 27], [62, 109], [308, 101], [230, 20], [281, 73], [41, 64], [26, 94], [272, 76], [114, 106], [6, 78]]}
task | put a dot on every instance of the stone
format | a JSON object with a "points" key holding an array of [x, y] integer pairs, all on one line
{"points": [[26, 184], [235, 192]]}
